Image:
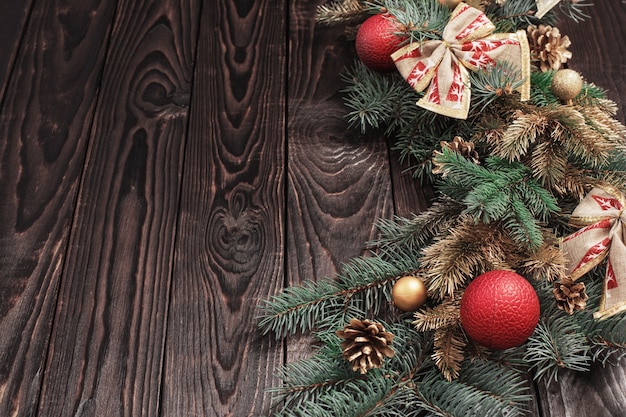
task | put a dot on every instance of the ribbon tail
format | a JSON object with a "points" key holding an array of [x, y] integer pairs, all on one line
{"points": [[614, 295], [418, 63], [449, 93], [587, 248]]}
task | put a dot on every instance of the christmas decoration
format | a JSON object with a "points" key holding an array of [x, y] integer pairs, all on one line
{"points": [[570, 295], [548, 49], [602, 218], [507, 175], [499, 309], [460, 146], [365, 345], [442, 65], [544, 6], [376, 41], [409, 293], [567, 84]]}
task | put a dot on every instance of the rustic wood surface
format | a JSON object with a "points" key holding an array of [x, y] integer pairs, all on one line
{"points": [[167, 164]]}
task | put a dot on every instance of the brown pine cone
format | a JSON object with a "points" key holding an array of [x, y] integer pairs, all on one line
{"points": [[570, 296], [458, 145], [548, 49], [365, 345]]}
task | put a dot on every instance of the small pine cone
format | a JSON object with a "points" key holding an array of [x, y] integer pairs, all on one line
{"points": [[458, 145], [548, 49], [570, 296], [365, 345]]}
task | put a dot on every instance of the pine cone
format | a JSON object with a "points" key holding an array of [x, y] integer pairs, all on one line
{"points": [[570, 296], [458, 145], [365, 345], [548, 50]]}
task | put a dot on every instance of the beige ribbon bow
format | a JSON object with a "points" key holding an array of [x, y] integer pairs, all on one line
{"points": [[602, 216], [467, 44]]}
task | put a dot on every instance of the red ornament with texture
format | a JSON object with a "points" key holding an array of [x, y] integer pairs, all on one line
{"points": [[376, 40], [499, 310]]}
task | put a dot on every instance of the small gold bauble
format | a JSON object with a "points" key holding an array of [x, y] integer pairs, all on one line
{"points": [[409, 293], [566, 84], [450, 3]]}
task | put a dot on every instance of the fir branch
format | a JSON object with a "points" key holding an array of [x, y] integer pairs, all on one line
{"points": [[581, 140], [575, 10], [343, 11], [414, 233], [376, 99], [605, 335], [376, 395], [466, 397], [522, 132], [452, 260], [307, 379], [455, 258], [449, 344], [500, 191], [514, 15], [548, 164], [506, 385], [557, 343], [356, 292], [423, 19], [541, 94], [445, 314], [300, 308], [490, 84], [546, 263]]}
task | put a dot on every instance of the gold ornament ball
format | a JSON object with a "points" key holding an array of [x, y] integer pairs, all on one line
{"points": [[450, 3], [409, 293], [566, 84]]}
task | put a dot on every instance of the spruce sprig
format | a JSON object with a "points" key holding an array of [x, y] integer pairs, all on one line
{"points": [[471, 395], [363, 289], [500, 191]]}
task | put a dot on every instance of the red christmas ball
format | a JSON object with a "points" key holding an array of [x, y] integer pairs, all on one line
{"points": [[376, 41], [499, 309]]}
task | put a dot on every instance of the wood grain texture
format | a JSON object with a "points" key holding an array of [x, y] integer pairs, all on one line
{"points": [[106, 349], [599, 54], [44, 126], [230, 246], [599, 50], [338, 180], [13, 17]]}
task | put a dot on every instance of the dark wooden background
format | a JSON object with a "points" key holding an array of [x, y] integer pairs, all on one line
{"points": [[165, 165]]}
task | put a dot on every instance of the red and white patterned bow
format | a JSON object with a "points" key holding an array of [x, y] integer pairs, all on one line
{"points": [[602, 216], [467, 44]]}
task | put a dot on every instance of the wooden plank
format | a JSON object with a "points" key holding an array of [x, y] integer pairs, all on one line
{"points": [[106, 349], [230, 245], [13, 16], [44, 126], [599, 50], [599, 54], [338, 180]]}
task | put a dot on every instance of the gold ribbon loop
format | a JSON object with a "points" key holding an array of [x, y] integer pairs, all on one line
{"points": [[441, 65], [602, 216]]}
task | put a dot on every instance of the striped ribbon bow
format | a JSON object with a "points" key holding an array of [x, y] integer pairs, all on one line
{"points": [[468, 43], [602, 216]]}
